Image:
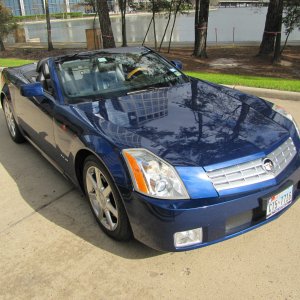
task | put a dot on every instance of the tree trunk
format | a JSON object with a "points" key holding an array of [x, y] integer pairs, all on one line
{"points": [[285, 42], [154, 29], [202, 23], [122, 5], [105, 24], [277, 53], [2, 47], [173, 26], [196, 44], [144, 40], [271, 27], [167, 25], [50, 45]]}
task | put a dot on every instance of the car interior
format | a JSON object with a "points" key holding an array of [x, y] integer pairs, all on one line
{"points": [[85, 79]]}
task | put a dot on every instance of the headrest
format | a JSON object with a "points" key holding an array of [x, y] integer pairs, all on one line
{"points": [[40, 64]]}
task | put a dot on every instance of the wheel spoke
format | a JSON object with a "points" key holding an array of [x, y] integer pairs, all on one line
{"points": [[98, 179], [92, 181], [93, 197], [112, 209], [109, 220], [106, 192], [95, 204]]}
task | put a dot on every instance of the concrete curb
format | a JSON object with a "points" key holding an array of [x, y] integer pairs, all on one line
{"points": [[267, 93]]}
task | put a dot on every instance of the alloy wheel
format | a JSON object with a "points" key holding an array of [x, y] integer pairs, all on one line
{"points": [[11, 123], [102, 198]]}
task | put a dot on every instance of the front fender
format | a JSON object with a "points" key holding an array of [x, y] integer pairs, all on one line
{"points": [[110, 156]]}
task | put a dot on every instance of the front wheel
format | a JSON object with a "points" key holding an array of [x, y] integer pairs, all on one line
{"points": [[105, 201], [12, 126]]}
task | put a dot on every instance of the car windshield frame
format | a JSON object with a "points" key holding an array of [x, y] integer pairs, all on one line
{"points": [[93, 76]]}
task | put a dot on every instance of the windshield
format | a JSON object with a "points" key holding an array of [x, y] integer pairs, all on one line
{"points": [[102, 75]]}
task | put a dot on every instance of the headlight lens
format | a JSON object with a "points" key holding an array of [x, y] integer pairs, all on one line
{"points": [[153, 176], [283, 112]]}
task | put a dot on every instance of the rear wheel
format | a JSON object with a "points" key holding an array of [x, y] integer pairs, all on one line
{"points": [[12, 126], [104, 200]]}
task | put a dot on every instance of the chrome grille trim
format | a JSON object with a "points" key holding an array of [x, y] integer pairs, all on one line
{"points": [[253, 171]]}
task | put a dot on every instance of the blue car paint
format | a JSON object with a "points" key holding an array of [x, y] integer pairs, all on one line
{"points": [[156, 223], [33, 89], [204, 138]]}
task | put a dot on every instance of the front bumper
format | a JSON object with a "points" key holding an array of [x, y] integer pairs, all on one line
{"points": [[154, 222]]}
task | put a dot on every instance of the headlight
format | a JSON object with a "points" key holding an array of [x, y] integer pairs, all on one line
{"points": [[153, 176], [284, 113]]}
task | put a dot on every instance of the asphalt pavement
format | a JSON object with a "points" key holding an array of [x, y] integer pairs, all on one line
{"points": [[51, 247]]}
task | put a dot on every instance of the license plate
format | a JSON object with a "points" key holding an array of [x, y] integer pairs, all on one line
{"points": [[278, 202]]}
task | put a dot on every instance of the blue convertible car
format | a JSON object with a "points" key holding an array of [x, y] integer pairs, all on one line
{"points": [[176, 162]]}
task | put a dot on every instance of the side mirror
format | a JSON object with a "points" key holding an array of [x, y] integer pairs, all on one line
{"points": [[177, 64], [32, 90]]}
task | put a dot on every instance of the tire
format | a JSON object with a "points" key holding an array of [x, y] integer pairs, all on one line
{"points": [[105, 200], [11, 123]]}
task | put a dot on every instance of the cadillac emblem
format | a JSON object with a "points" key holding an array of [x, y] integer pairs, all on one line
{"points": [[269, 165]]}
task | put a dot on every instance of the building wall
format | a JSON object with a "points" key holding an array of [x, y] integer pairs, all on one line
{"points": [[14, 6], [35, 7]]}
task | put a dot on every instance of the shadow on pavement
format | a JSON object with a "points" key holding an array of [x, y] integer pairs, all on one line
{"points": [[49, 194]]}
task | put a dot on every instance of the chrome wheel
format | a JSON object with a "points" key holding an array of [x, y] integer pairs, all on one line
{"points": [[11, 123], [102, 198]]}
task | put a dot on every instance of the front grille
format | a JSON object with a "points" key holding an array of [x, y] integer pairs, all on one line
{"points": [[253, 171]]}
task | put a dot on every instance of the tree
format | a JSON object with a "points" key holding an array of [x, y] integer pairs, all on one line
{"points": [[168, 22], [156, 6], [89, 5], [177, 8], [272, 27], [105, 24], [123, 5], [291, 19], [7, 24], [154, 9], [276, 57], [50, 45], [201, 24]]}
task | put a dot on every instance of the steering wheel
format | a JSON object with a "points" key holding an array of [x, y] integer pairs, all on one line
{"points": [[136, 72]]}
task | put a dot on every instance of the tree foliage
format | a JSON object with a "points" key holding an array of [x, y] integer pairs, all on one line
{"points": [[173, 8], [89, 5], [156, 6], [7, 24], [291, 19]]}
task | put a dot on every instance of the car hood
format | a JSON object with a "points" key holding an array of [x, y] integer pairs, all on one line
{"points": [[195, 123]]}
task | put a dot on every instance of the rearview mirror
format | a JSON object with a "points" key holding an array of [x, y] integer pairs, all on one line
{"points": [[32, 90], [177, 64]]}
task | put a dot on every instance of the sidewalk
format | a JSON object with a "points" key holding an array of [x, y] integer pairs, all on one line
{"points": [[52, 248], [268, 93]]}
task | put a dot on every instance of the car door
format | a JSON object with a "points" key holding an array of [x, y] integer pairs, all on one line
{"points": [[35, 114]]}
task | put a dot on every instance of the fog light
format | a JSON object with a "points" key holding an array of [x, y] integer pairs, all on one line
{"points": [[188, 238]]}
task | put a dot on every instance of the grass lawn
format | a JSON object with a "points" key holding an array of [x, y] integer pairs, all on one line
{"points": [[13, 62], [251, 81]]}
